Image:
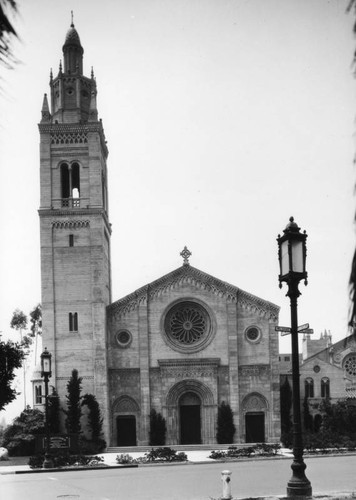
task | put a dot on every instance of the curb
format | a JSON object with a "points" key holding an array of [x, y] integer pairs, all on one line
{"points": [[70, 469]]}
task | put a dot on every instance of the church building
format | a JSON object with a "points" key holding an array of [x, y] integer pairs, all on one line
{"points": [[182, 344]]}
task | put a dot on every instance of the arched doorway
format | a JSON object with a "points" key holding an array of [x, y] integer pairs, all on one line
{"points": [[255, 409], [190, 418], [126, 430], [180, 397], [255, 427], [125, 422]]}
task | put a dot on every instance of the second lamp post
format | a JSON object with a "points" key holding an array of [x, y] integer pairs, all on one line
{"points": [[46, 372]]}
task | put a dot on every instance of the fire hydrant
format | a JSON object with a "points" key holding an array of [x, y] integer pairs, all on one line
{"points": [[226, 481]]}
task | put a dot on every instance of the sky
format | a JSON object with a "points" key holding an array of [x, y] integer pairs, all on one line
{"points": [[223, 119]]}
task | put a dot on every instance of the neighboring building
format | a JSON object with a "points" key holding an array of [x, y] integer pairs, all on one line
{"points": [[327, 370], [181, 344]]}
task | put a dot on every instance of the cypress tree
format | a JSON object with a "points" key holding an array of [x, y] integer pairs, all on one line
{"points": [[225, 425]]}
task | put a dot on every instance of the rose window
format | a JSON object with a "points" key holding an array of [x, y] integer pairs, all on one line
{"points": [[350, 365], [187, 325]]}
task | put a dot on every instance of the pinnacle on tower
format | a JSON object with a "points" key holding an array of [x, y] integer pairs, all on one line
{"points": [[46, 115]]}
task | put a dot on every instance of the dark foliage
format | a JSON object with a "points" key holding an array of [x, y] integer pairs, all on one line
{"points": [[261, 449], [65, 460], [54, 421], [74, 411], [225, 426], [95, 420], [165, 455], [19, 438], [91, 446], [158, 429], [11, 358], [36, 321], [307, 417], [7, 32]]}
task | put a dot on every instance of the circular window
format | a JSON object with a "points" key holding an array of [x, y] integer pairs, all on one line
{"points": [[350, 365], [316, 368], [123, 338], [253, 334], [188, 326]]}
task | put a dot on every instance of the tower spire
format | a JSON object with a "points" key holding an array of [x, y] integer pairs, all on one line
{"points": [[72, 23], [46, 115]]}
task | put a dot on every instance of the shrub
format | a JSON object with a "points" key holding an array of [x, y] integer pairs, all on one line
{"points": [[65, 460], [125, 458], [91, 446], [225, 426], [165, 455], [95, 419], [19, 438], [74, 411], [158, 429]]}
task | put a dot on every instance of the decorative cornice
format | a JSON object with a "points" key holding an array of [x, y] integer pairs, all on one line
{"points": [[55, 214], [254, 370], [188, 274], [169, 363], [71, 224], [77, 132]]}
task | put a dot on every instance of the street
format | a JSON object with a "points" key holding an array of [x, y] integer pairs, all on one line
{"points": [[177, 482]]}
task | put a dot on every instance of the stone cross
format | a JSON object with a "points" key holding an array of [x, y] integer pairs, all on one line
{"points": [[185, 253]]}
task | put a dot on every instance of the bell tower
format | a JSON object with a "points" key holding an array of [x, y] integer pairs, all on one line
{"points": [[74, 227]]}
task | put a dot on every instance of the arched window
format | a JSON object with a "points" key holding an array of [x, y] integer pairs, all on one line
{"points": [[309, 388], [38, 394], [70, 185], [325, 387]]}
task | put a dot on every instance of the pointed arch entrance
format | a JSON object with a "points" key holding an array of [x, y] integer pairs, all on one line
{"points": [[190, 413]]}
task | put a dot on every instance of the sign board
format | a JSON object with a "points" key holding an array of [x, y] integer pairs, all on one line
{"points": [[57, 442], [307, 330], [285, 329], [303, 327]]}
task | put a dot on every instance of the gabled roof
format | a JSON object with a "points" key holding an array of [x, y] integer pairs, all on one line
{"points": [[191, 275], [338, 346]]}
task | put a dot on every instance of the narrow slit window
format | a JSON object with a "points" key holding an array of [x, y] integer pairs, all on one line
{"points": [[73, 322], [71, 240], [38, 394]]}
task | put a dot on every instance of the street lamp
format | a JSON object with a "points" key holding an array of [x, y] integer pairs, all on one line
{"points": [[292, 253], [46, 372]]}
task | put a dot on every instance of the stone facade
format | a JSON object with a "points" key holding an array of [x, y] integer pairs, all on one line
{"points": [[180, 345], [236, 362]]}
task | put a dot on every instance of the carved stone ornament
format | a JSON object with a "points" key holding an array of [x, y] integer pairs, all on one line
{"points": [[190, 275], [254, 370], [254, 402]]}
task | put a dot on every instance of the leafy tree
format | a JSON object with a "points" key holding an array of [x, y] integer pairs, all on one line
{"points": [[74, 411], [95, 420], [19, 438], [7, 33], [158, 429], [19, 323], [36, 321], [225, 425], [11, 358], [54, 421]]}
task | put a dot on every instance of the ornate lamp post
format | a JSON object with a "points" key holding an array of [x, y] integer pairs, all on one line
{"points": [[292, 256], [46, 372]]}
